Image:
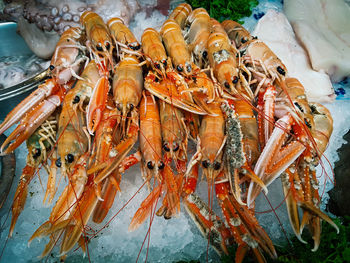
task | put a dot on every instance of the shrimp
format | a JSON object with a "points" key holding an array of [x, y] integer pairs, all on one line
{"points": [[122, 35], [180, 13], [69, 55], [99, 39], [176, 47], [72, 133], [222, 58], [150, 138], [197, 36], [174, 135], [73, 149], [127, 90], [237, 33], [240, 221], [151, 155], [154, 51]]}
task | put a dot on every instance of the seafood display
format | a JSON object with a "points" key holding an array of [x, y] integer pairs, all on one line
{"points": [[196, 81]]}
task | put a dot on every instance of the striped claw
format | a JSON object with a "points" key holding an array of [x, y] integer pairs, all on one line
{"points": [[38, 95], [31, 122], [208, 223], [166, 90], [97, 104], [275, 157]]}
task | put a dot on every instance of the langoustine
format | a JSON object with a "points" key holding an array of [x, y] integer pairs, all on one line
{"points": [[230, 182]]}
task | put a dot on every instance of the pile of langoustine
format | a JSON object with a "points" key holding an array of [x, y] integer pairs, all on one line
{"points": [[195, 79]]}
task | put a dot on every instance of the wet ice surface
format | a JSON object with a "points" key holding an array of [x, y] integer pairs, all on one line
{"points": [[171, 240], [14, 70]]}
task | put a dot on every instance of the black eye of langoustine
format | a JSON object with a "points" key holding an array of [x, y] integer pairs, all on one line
{"points": [[205, 54], [131, 106], [99, 48], [108, 46], [227, 85], [69, 158], [76, 99], [281, 70], [150, 165], [164, 62], [307, 122], [135, 46], [235, 80], [205, 163], [58, 162], [161, 165], [36, 153], [157, 65], [217, 165], [179, 68], [52, 67], [166, 147], [189, 68], [298, 106]]}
